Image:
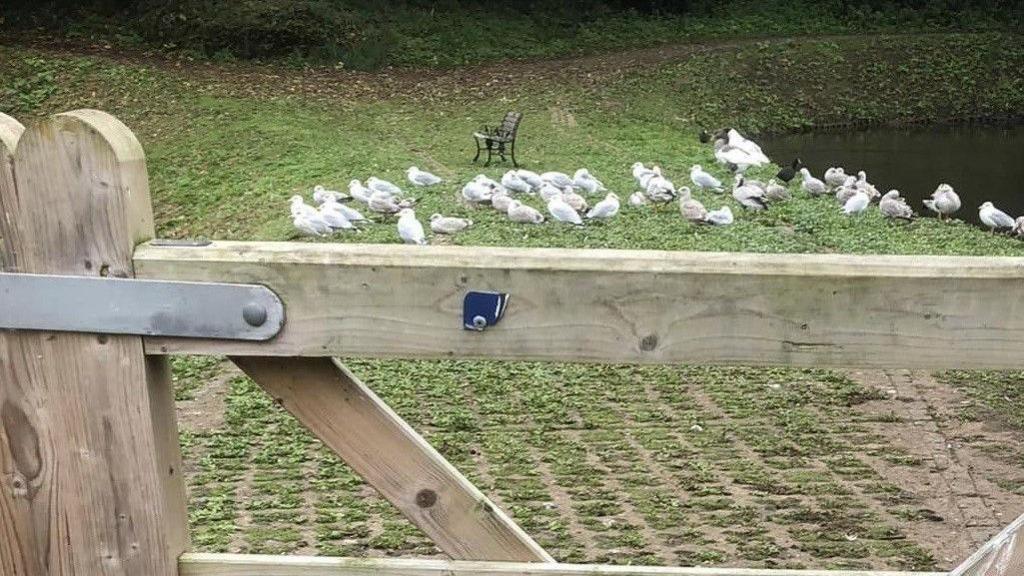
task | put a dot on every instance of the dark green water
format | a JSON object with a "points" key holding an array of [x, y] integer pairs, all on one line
{"points": [[983, 163]]}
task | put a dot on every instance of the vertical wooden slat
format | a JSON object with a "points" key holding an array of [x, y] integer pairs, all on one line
{"points": [[382, 448], [10, 132], [86, 487]]}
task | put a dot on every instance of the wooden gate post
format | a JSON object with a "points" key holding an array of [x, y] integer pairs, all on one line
{"points": [[90, 479]]}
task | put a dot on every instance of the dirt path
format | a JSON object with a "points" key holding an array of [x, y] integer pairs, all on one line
{"points": [[962, 477]]}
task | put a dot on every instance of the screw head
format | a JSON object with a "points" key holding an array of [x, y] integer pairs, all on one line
{"points": [[479, 322], [254, 314]]}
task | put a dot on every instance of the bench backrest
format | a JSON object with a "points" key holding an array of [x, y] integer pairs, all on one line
{"points": [[510, 124]]}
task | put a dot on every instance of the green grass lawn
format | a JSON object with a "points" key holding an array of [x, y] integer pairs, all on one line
{"points": [[776, 480]]}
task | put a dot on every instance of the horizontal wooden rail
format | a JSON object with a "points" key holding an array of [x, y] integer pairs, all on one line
{"points": [[256, 565], [619, 306]]}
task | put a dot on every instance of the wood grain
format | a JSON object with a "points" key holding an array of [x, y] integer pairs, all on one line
{"points": [[254, 565], [382, 448], [1000, 556], [620, 306], [83, 480]]}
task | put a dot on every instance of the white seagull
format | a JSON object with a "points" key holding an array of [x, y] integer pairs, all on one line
{"points": [[605, 208], [637, 199], [419, 177], [384, 203], [359, 192], [350, 214], [532, 178], [409, 228], [944, 201], [378, 185], [321, 195], [995, 218], [477, 191], [448, 224], [515, 182], [519, 212], [563, 212], [335, 219], [641, 173], [309, 227], [500, 201], [892, 205], [835, 176], [750, 197], [578, 203], [857, 203], [703, 180], [810, 184], [558, 179], [720, 217], [692, 209], [584, 180]]}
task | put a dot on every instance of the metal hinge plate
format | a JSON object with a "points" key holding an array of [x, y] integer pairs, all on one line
{"points": [[139, 307]]}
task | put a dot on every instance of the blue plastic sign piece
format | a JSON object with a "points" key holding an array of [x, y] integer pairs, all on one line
{"points": [[482, 310]]}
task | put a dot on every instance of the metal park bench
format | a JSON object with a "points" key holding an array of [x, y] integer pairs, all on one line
{"points": [[499, 139]]}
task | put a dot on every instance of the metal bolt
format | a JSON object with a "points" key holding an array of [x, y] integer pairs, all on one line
{"points": [[479, 322], [254, 314]]}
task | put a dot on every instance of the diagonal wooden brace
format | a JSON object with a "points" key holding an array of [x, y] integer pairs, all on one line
{"points": [[382, 448]]}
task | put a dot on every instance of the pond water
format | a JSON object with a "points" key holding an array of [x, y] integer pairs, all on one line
{"points": [[980, 162]]}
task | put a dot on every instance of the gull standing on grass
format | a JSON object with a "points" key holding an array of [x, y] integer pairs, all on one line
{"points": [[419, 177], [519, 212], [703, 180], [335, 219], [350, 214], [448, 224], [307, 226], [383, 203], [810, 184], [750, 197], [995, 218], [642, 173], [857, 203], [606, 208], [378, 185], [409, 228], [892, 205], [660, 190], [944, 201], [563, 212]]}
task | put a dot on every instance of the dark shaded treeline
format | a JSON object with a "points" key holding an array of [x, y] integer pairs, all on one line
{"points": [[369, 34]]}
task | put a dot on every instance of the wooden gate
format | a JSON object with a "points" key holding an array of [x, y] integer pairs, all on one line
{"points": [[90, 469]]}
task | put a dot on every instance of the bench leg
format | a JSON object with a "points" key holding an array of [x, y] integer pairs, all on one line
{"points": [[477, 142], [490, 150], [512, 153]]}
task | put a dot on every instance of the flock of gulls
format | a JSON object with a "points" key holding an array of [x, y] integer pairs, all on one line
{"points": [[567, 199]]}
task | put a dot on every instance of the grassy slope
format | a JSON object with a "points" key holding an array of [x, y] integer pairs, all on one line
{"points": [[224, 157]]}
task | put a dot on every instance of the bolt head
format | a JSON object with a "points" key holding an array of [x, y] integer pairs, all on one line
{"points": [[254, 314]]}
